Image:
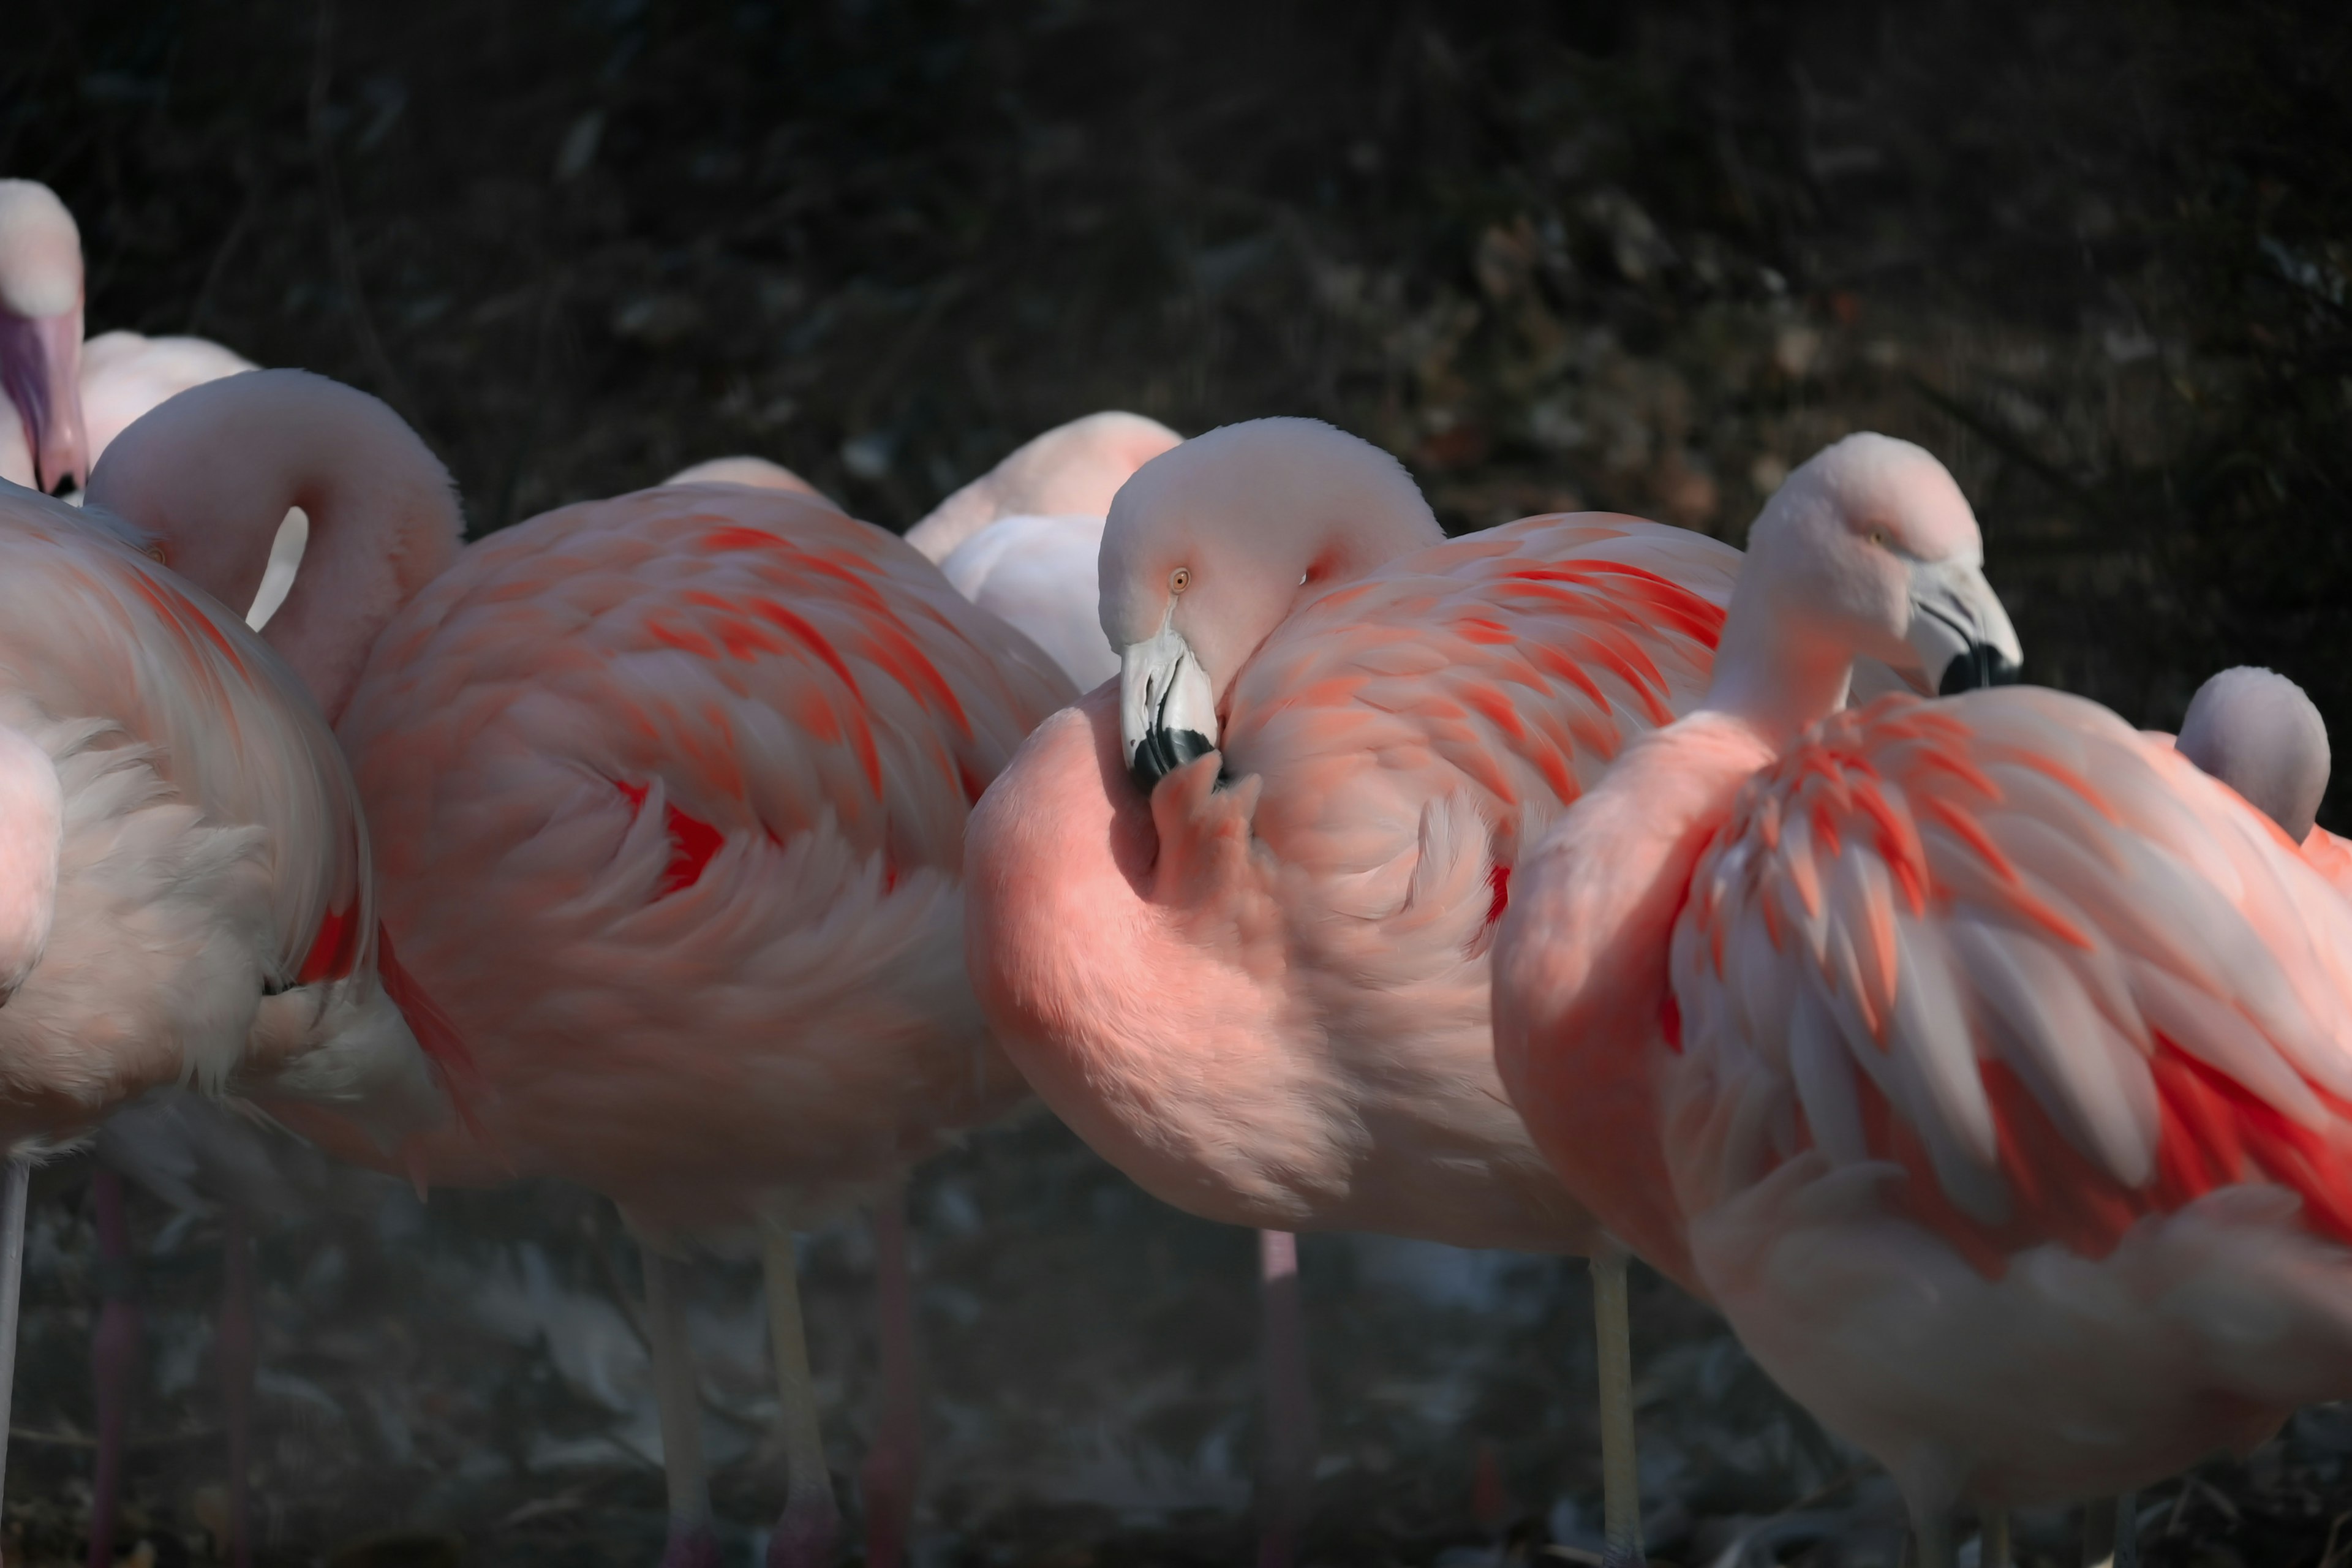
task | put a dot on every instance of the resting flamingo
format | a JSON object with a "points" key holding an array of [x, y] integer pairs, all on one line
{"points": [[668, 793], [1071, 470], [42, 443], [1986, 1064], [184, 889], [1266, 1003]]}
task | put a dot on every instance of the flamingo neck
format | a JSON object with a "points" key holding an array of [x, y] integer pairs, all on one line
{"points": [[210, 475], [1776, 673]]}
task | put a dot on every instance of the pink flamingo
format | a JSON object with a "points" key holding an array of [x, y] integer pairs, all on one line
{"points": [[757, 473], [1266, 1003], [184, 889], [669, 794], [1985, 1063]]}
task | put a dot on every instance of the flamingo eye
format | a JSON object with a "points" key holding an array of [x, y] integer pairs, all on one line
{"points": [[155, 553], [1180, 579], [1878, 536]]}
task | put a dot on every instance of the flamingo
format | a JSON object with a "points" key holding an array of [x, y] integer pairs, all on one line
{"points": [[1985, 1063], [757, 473], [185, 888], [1265, 1001], [669, 794]]}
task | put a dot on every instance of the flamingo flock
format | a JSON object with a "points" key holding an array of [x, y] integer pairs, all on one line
{"points": [[1984, 1061]]}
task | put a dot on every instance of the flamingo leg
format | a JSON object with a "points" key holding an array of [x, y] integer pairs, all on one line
{"points": [[236, 1341], [893, 1469], [114, 1353], [692, 1542], [805, 1535], [1932, 1534], [1288, 1464], [2110, 1532], [1621, 1480], [1994, 1549], [13, 1187]]}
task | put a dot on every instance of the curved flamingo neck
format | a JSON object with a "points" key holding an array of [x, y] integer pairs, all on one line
{"points": [[210, 475], [1774, 672]]}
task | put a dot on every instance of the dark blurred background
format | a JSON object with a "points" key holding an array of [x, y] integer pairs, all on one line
{"points": [[2093, 253]]}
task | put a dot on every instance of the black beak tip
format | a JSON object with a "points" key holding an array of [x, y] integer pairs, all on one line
{"points": [[1162, 751], [1980, 665]]}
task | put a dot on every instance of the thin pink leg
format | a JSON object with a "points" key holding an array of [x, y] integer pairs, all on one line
{"points": [[1287, 1468], [678, 1398], [804, 1534], [236, 1343], [893, 1469], [114, 1353]]}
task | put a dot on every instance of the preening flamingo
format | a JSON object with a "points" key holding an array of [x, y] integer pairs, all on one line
{"points": [[2257, 731], [1266, 1001], [1986, 1063], [669, 794], [184, 889]]}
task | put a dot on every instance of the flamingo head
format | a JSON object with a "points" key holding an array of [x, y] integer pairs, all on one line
{"points": [[40, 329], [1209, 547], [1870, 550], [2256, 731], [32, 832]]}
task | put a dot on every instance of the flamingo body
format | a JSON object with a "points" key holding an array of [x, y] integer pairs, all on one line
{"points": [[670, 792], [1982, 1059], [214, 915], [124, 374], [1037, 574], [1269, 1003]]}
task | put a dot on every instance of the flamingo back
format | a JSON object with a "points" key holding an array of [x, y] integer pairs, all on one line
{"points": [[670, 792]]}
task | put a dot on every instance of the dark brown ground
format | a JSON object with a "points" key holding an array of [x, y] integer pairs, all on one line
{"points": [[1642, 258]]}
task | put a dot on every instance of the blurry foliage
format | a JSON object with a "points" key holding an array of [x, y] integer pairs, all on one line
{"points": [[1553, 255]]}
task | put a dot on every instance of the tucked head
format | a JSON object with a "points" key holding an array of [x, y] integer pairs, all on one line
{"points": [[1869, 549], [1211, 544], [2256, 731], [40, 329]]}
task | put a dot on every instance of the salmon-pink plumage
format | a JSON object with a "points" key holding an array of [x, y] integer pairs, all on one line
{"points": [[1984, 1061], [669, 794], [1267, 999]]}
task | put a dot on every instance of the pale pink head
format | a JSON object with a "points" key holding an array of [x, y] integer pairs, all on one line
{"points": [[40, 330], [2256, 731], [32, 829], [1209, 546], [210, 474], [1071, 470], [1868, 549]]}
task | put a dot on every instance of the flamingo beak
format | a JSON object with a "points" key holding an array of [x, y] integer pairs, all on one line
{"points": [[40, 374], [1959, 628], [1167, 712]]}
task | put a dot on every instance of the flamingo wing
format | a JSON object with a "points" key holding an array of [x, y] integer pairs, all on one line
{"points": [[1465, 694], [2050, 969]]}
